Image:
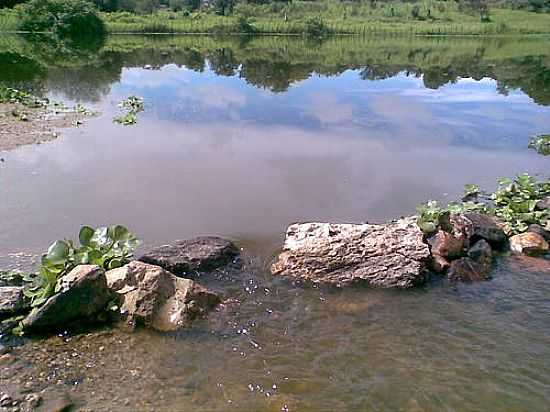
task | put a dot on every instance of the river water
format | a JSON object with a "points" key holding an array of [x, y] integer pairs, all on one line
{"points": [[241, 137]]}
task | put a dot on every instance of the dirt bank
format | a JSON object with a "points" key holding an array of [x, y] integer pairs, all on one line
{"points": [[21, 125]]}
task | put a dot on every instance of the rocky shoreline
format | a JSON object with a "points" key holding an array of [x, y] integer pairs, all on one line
{"points": [[162, 289]]}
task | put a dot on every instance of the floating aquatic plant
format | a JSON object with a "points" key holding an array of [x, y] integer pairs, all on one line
{"points": [[108, 247], [541, 143], [514, 203], [133, 105]]}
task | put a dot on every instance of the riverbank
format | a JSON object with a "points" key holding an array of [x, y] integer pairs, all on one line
{"points": [[26, 119], [442, 19]]}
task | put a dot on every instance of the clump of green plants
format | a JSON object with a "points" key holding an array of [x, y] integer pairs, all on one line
{"points": [[108, 247], [316, 27], [62, 17], [541, 143], [10, 95], [514, 203], [133, 105]]}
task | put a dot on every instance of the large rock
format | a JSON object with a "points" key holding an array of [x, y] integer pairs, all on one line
{"points": [[481, 253], [390, 255], [184, 257], [529, 243], [154, 297], [12, 300], [474, 226], [82, 294]]}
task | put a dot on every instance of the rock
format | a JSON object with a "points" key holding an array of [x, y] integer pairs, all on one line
{"points": [[446, 245], [33, 400], [154, 297], [538, 229], [468, 270], [12, 300], [481, 253], [440, 264], [197, 254], [474, 226], [388, 255], [529, 243], [523, 263], [543, 204], [83, 293]]}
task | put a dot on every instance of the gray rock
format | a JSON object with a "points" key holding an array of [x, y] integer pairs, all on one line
{"points": [[12, 300], [390, 255], [82, 294], [543, 204], [539, 230], [184, 257], [154, 297], [468, 270], [474, 226]]}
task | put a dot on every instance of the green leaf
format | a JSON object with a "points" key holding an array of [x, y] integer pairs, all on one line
{"points": [[58, 252], [85, 235]]}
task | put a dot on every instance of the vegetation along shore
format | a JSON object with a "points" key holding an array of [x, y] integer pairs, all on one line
{"points": [[313, 18]]}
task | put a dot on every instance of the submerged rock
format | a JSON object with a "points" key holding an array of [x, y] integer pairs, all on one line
{"points": [[474, 226], [152, 296], [198, 254], [468, 270], [12, 300], [83, 293], [390, 255], [529, 243]]}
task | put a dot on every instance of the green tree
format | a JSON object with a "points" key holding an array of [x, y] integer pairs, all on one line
{"points": [[62, 17]]}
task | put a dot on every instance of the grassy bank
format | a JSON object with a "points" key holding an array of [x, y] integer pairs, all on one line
{"points": [[298, 17]]}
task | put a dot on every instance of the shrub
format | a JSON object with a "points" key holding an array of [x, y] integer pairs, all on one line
{"points": [[316, 27], [63, 17]]}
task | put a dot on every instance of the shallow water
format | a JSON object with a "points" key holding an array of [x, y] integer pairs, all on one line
{"points": [[241, 138]]}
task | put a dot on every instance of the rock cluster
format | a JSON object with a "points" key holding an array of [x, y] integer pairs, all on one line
{"points": [[391, 255], [462, 248], [146, 294]]}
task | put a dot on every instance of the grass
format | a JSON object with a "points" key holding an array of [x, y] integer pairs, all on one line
{"points": [[434, 18]]}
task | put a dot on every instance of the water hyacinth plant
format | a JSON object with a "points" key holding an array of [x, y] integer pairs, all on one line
{"points": [[133, 105], [108, 247], [514, 203], [541, 143]]}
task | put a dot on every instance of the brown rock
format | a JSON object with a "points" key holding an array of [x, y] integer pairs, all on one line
{"points": [[154, 297], [474, 226], [391, 255], [184, 257], [468, 270], [529, 243], [83, 293], [439, 264], [446, 245]]}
